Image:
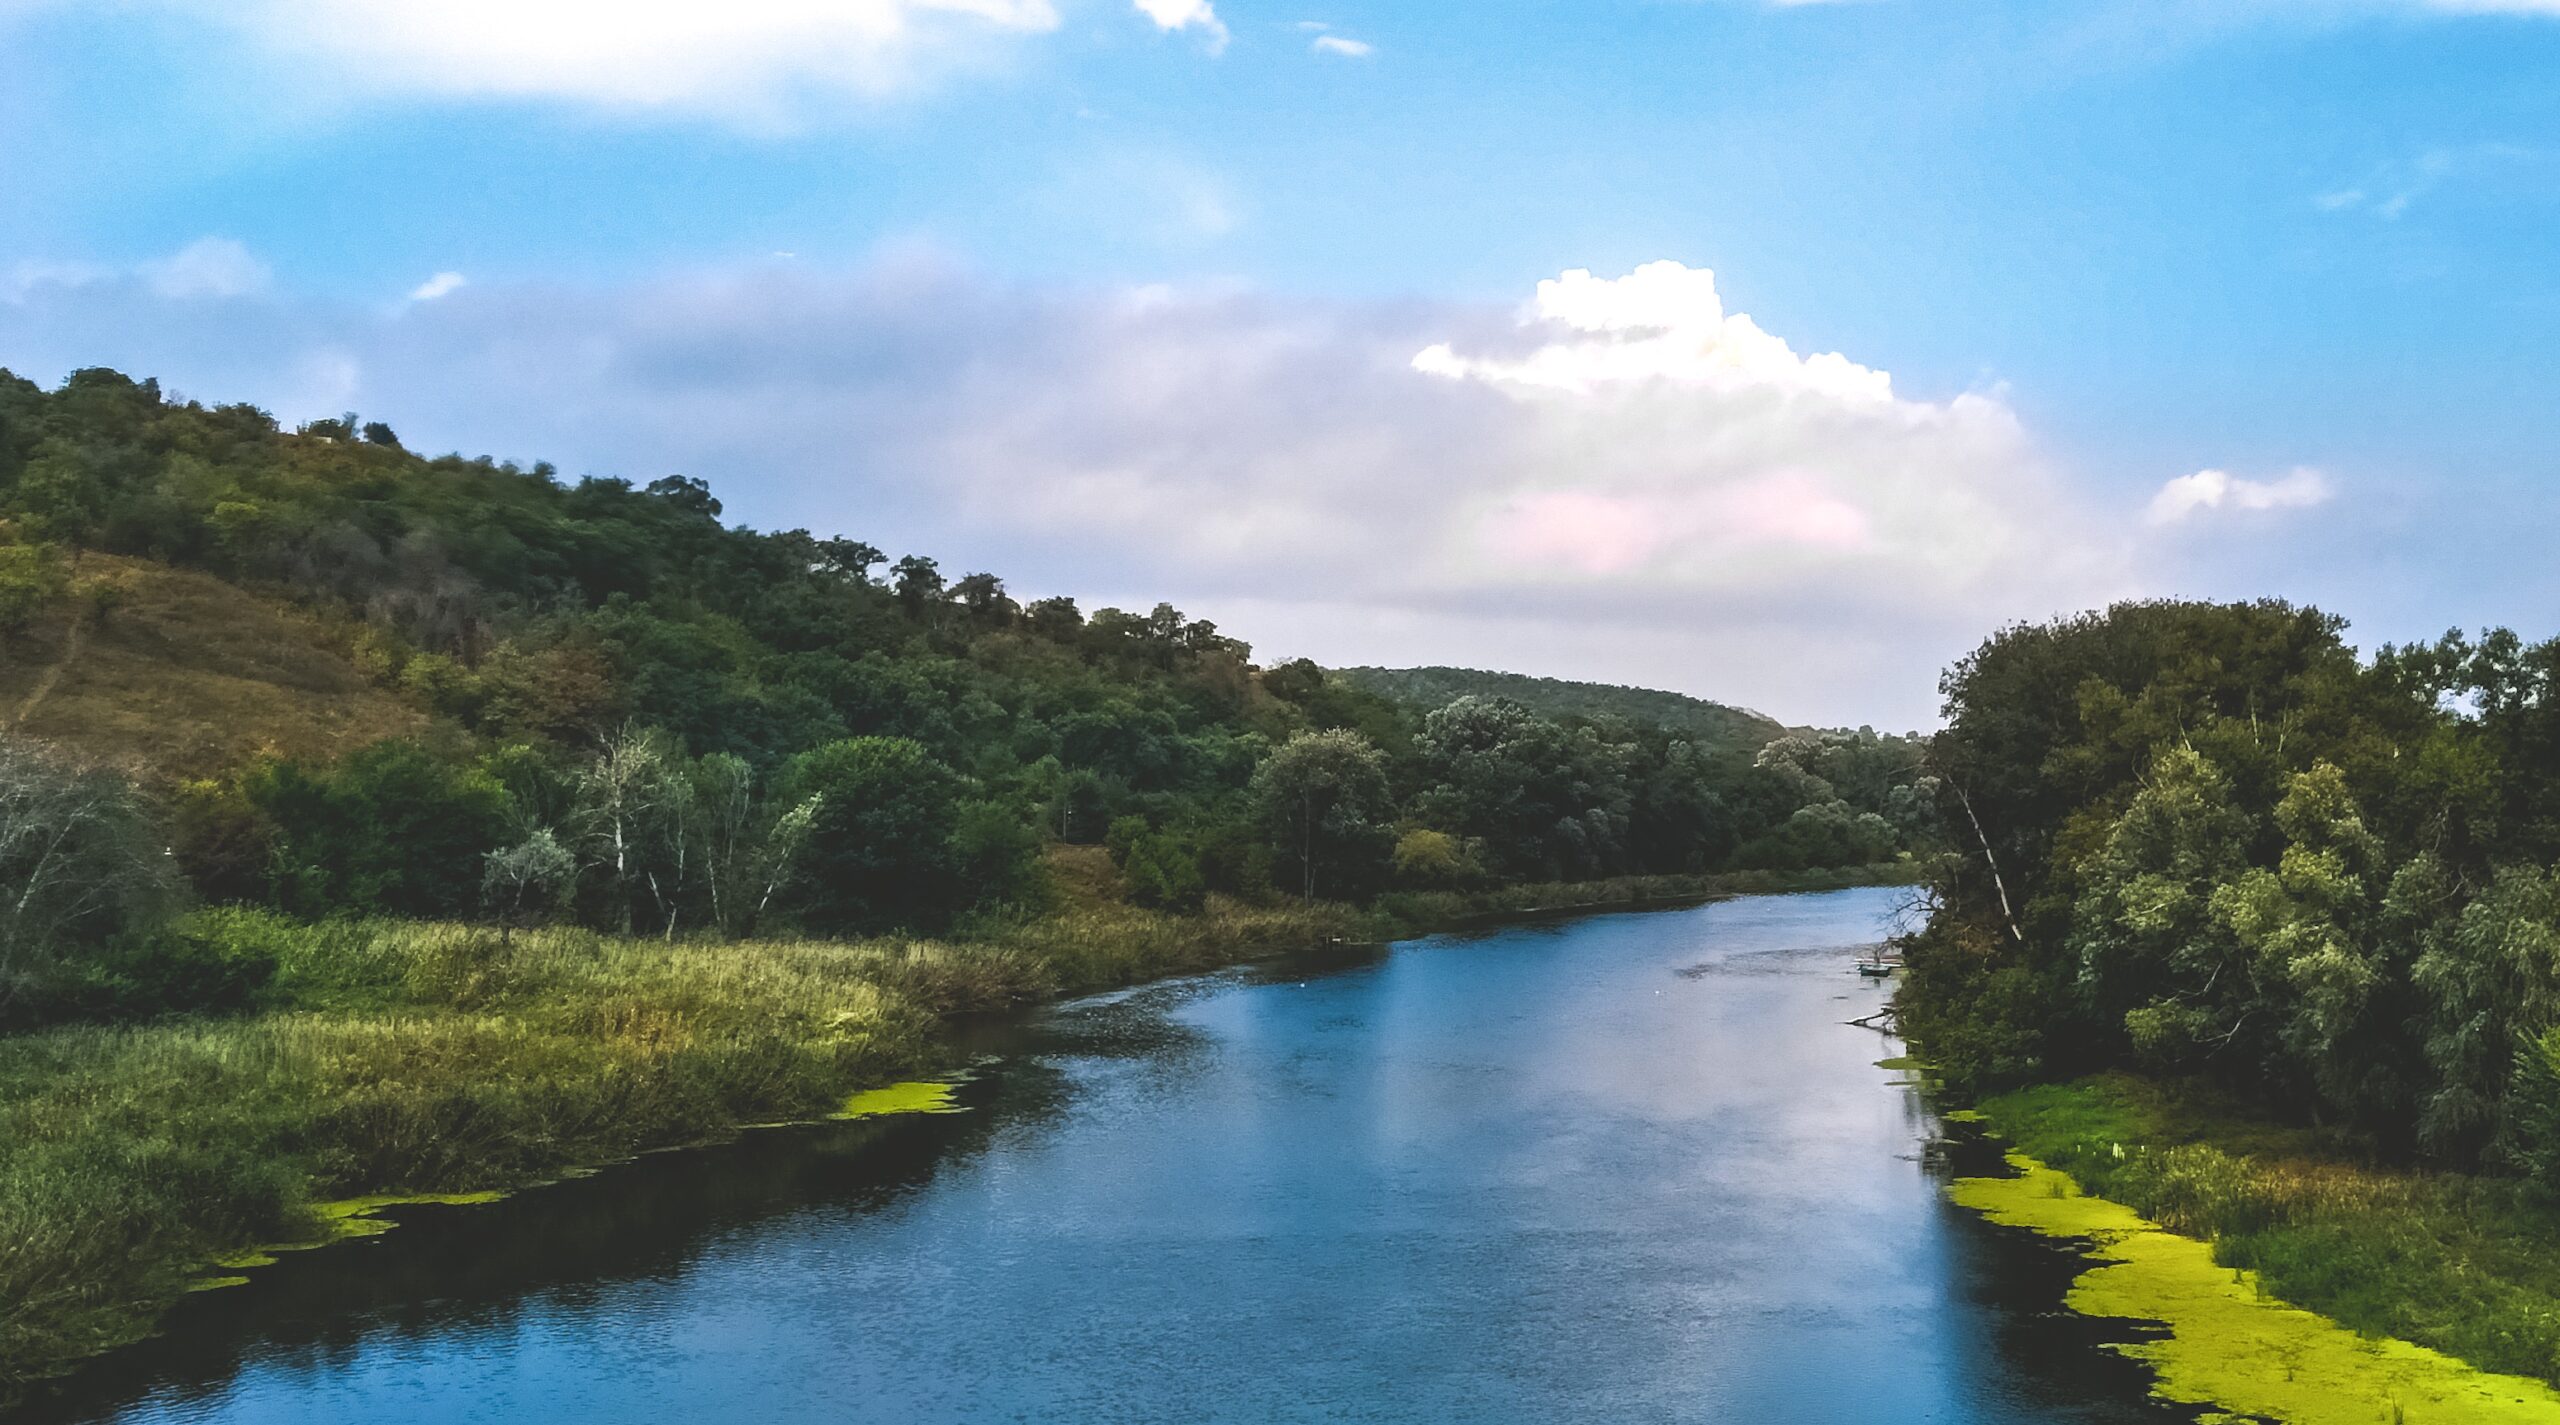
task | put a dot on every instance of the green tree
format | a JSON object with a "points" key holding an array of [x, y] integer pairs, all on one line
{"points": [[393, 829], [878, 853], [1322, 798]]}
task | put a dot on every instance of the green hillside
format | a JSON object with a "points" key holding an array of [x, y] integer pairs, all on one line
{"points": [[1708, 722]]}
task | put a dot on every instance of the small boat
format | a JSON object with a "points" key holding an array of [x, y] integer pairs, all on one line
{"points": [[1878, 965]]}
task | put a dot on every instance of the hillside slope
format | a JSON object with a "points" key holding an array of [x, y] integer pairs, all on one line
{"points": [[1715, 723], [178, 674]]}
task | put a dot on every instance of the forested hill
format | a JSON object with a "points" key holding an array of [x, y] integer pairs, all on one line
{"points": [[335, 676], [1709, 723]]}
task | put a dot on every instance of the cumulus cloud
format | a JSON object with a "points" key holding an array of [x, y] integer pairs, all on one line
{"points": [[1663, 444], [1625, 481], [735, 55], [2205, 490], [1187, 15]]}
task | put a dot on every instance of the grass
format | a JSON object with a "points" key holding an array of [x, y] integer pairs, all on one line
{"points": [[403, 1059], [2469, 1266]]}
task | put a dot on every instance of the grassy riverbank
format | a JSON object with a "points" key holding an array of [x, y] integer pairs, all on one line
{"points": [[413, 1058], [2469, 1266]]}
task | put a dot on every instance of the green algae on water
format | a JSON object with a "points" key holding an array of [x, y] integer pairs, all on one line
{"points": [[340, 1220], [923, 1096], [2229, 1344], [362, 1216]]}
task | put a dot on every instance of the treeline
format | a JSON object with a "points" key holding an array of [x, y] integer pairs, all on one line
{"points": [[644, 718], [2210, 840]]}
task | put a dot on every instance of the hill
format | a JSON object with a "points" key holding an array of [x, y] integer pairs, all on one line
{"points": [[1716, 723], [170, 673]]}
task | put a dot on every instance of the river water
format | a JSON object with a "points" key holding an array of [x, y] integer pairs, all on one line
{"points": [[1625, 1168]]}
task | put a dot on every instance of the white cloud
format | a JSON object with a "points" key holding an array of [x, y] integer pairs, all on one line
{"points": [[1664, 442], [445, 284], [1343, 45], [737, 56], [1662, 322], [211, 267], [1187, 15], [2187, 495]]}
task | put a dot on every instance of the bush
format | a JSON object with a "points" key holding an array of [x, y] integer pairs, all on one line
{"points": [[1163, 874], [31, 579]]}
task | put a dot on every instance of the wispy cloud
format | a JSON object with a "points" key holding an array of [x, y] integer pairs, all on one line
{"points": [[2392, 189], [2206, 490], [443, 284], [1343, 45]]}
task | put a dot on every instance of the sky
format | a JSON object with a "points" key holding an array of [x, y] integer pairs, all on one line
{"points": [[1772, 352]]}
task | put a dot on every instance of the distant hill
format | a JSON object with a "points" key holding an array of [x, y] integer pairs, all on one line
{"points": [[1708, 722]]}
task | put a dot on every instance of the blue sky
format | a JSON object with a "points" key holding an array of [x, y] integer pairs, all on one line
{"points": [[866, 265]]}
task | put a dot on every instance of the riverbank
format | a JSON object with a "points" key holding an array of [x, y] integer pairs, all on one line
{"points": [[2465, 1266], [402, 1059], [399, 1059]]}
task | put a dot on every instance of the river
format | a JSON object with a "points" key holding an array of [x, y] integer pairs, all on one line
{"points": [[1624, 1168]]}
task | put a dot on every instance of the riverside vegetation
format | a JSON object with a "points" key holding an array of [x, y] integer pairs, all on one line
{"points": [[2261, 939], [381, 824]]}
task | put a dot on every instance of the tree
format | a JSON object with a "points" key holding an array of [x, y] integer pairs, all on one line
{"points": [[632, 802], [527, 883], [1322, 798], [1544, 800], [851, 559], [80, 867], [917, 581], [393, 829], [878, 851], [2490, 977]]}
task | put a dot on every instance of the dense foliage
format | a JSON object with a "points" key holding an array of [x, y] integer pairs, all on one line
{"points": [[2210, 840], [1708, 724], [642, 719]]}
